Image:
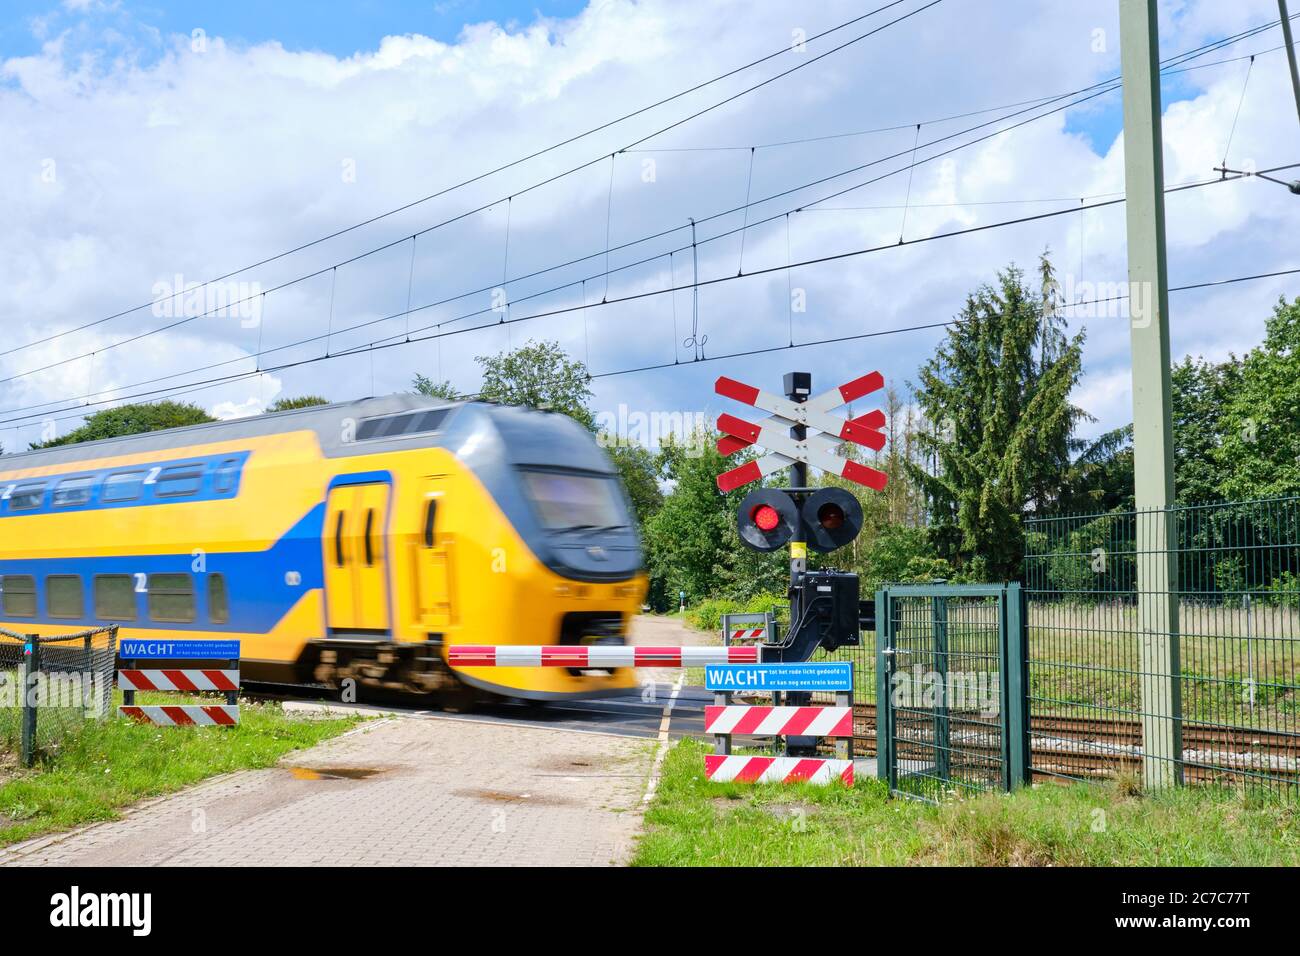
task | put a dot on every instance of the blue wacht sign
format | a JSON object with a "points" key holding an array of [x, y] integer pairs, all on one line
{"points": [[821, 676], [178, 650]]}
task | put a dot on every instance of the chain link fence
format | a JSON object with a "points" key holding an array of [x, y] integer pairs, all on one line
{"points": [[1235, 597], [50, 686]]}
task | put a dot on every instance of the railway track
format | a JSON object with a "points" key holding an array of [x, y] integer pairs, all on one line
{"points": [[1088, 747]]}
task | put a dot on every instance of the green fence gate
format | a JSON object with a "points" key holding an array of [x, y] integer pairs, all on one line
{"points": [[951, 693]]}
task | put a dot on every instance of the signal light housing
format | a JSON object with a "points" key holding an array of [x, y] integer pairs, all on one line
{"points": [[832, 518], [767, 519]]}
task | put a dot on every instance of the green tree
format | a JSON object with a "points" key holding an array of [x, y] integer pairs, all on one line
{"points": [[1199, 399], [301, 401], [538, 375], [131, 420], [1100, 477], [1259, 454], [996, 397], [423, 385]]}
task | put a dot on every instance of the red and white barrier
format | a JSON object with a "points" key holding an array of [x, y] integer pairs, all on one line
{"points": [[595, 655], [749, 634], [186, 680], [184, 715], [750, 769], [780, 721]]}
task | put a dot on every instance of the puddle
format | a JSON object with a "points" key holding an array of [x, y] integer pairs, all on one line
{"points": [[528, 799], [333, 773]]}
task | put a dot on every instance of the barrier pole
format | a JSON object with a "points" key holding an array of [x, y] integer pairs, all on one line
{"points": [[31, 676], [232, 696], [844, 745], [128, 696], [722, 742]]}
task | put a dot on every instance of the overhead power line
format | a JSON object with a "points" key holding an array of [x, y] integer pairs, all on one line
{"points": [[375, 346], [1098, 89]]}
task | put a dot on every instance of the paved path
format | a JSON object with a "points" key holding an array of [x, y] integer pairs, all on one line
{"points": [[400, 791]]}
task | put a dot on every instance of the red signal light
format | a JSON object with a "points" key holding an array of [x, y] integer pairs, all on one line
{"points": [[765, 517]]}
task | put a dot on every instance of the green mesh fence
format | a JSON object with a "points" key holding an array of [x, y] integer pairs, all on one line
{"points": [[1235, 591]]}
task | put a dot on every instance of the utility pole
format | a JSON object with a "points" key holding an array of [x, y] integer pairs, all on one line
{"points": [[1153, 445], [798, 388], [1290, 53]]}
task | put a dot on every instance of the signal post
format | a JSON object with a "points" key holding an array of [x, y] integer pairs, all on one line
{"points": [[825, 609]]}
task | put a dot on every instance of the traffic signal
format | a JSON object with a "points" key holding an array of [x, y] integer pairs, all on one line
{"points": [[831, 518], [767, 519]]}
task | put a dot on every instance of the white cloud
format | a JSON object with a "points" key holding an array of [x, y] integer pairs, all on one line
{"points": [[130, 161]]}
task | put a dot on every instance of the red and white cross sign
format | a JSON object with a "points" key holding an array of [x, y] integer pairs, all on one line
{"points": [[826, 432]]}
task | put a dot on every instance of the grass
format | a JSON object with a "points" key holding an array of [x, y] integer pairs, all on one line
{"points": [[696, 823], [99, 767]]}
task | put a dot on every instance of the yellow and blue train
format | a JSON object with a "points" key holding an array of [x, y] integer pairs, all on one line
{"points": [[347, 541]]}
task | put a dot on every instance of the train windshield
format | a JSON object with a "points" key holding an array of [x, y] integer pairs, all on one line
{"points": [[569, 501]]}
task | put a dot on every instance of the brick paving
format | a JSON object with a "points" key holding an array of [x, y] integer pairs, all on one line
{"points": [[408, 791], [402, 791]]}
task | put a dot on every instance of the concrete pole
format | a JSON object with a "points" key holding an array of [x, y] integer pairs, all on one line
{"points": [[1290, 53], [1153, 446]]}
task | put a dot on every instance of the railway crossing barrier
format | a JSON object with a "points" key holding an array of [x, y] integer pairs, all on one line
{"points": [[595, 655], [728, 669], [191, 672], [724, 720]]}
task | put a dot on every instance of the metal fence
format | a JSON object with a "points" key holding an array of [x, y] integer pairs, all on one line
{"points": [[50, 685], [1233, 599]]}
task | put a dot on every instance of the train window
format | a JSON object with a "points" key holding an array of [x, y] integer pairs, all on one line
{"points": [[385, 426], [115, 597], [370, 524], [226, 476], [566, 501], [218, 600], [171, 598], [63, 596], [431, 420], [73, 491], [122, 486], [179, 480], [28, 496], [430, 516], [19, 595]]}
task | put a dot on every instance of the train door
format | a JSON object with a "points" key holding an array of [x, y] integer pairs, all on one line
{"points": [[432, 563], [356, 559]]}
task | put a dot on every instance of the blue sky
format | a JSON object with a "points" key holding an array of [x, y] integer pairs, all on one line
{"points": [[340, 27]]}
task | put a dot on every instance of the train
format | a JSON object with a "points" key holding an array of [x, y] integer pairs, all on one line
{"points": [[354, 541]]}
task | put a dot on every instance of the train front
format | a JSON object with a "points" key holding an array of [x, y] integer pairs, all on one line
{"points": [[564, 568]]}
